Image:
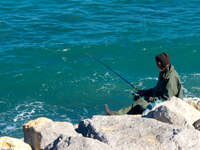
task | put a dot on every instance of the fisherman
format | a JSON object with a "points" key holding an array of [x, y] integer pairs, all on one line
{"points": [[168, 85]]}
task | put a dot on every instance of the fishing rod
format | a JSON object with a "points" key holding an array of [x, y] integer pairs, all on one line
{"points": [[109, 68]]}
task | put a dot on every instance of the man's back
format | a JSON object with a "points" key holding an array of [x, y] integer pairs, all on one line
{"points": [[168, 84]]}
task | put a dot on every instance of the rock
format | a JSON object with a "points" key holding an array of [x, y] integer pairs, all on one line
{"points": [[77, 143], [75, 126], [195, 102], [8, 143], [175, 111], [196, 124], [43, 131], [128, 132]]}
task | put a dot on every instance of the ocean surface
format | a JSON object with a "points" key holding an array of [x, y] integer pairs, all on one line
{"points": [[44, 69]]}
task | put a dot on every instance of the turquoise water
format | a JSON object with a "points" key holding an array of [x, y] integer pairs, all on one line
{"points": [[44, 69]]}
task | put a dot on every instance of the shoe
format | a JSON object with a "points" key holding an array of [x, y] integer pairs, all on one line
{"points": [[108, 111]]}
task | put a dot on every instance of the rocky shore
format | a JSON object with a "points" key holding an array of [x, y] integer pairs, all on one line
{"points": [[171, 125]]}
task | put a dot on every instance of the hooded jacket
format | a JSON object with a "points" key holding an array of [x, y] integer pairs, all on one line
{"points": [[168, 85]]}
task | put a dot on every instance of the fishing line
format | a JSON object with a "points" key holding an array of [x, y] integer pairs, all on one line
{"points": [[109, 68]]}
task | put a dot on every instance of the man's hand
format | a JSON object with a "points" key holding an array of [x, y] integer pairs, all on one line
{"points": [[140, 92], [150, 99]]}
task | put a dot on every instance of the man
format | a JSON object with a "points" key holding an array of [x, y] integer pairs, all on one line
{"points": [[168, 85]]}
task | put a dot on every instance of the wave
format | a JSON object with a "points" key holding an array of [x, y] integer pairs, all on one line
{"points": [[11, 121]]}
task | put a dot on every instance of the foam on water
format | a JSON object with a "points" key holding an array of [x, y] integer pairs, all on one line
{"points": [[151, 78], [193, 80], [66, 49], [106, 88], [22, 113], [26, 111], [196, 88]]}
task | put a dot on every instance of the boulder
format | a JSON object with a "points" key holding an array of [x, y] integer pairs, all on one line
{"points": [[195, 102], [9, 143], [128, 132], [77, 143], [43, 131], [196, 124], [174, 111]]}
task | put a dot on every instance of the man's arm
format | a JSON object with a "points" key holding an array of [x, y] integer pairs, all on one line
{"points": [[148, 92], [170, 90]]}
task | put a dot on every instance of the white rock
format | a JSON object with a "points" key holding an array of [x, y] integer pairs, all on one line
{"points": [[175, 111], [43, 131], [195, 102], [77, 143], [127, 132], [9, 143]]}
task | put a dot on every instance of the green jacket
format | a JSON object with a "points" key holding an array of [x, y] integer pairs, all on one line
{"points": [[168, 85]]}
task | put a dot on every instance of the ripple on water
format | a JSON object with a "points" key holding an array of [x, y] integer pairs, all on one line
{"points": [[11, 120]]}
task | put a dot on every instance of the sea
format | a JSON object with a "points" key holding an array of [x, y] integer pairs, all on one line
{"points": [[45, 70]]}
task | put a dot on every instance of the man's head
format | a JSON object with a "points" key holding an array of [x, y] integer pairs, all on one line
{"points": [[162, 61]]}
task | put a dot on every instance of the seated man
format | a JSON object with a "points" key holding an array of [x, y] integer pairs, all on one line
{"points": [[168, 85]]}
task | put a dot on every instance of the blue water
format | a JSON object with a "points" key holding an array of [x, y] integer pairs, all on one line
{"points": [[44, 69]]}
